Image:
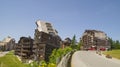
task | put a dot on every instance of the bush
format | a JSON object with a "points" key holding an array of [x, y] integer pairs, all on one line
{"points": [[52, 65], [58, 53]]}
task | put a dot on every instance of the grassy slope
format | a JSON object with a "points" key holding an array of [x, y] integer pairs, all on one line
{"points": [[9, 60], [113, 53]]}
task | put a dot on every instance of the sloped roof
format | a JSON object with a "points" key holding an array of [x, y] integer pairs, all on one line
{"points": [[7, 39]]}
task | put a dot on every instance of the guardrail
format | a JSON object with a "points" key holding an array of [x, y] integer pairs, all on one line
{"points": [[66, 60]]}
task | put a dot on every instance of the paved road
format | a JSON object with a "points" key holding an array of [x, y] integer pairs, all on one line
{"points": [[3, 53], [91, 59]]}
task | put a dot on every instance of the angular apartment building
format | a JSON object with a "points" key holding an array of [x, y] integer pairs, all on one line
{"points": [[24, 49], [46, 39], [95, 40]]}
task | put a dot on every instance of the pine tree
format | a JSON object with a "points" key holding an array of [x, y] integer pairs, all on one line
{"points": [[73, 42]]}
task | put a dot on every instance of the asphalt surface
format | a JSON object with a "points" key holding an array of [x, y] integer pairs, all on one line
{"points": [[91, 59]]}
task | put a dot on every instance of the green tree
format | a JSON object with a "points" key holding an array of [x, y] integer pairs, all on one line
{"points": [[73, 42], [52, 58], [117, 44], [111, 43], [79, 45], [114, 44]]}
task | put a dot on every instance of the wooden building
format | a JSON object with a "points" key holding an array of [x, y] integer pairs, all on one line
{"points": [[45, 44], [66, 42], [46, 38], [95, 40], [25, 48]]}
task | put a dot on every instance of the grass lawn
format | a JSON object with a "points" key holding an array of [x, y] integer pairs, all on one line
{"points": [[10, 60], [113, 53]]}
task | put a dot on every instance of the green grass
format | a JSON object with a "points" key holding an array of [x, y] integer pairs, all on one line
{"points": [[10, 60], [113, 53]]}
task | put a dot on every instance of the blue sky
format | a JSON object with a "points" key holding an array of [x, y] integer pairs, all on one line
{"points": [[69, 17]]}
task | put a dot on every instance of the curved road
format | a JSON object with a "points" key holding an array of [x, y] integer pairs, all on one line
{"points": [[91, 59]]}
